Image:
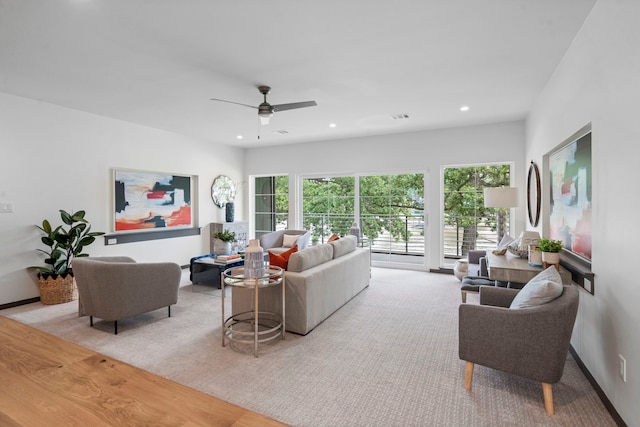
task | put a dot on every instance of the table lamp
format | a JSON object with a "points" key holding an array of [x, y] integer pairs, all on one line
{"points": [[500, 198]]}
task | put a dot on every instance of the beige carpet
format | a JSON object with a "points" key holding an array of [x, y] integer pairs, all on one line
{"points": [[387, 358]]}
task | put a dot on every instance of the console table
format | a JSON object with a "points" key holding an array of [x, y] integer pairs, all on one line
{"points": [[509, 268]]}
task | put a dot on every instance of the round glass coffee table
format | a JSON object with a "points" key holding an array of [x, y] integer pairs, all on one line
{"points": [[253, 326]]}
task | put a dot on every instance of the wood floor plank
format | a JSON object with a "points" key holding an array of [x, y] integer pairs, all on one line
{"points": [[47, 380]]}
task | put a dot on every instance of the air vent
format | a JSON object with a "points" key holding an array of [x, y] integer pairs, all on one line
{"points": [[281, 131], [400, 116]]}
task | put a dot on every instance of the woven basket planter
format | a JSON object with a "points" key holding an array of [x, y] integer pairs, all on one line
{"points": [[57, 289]]}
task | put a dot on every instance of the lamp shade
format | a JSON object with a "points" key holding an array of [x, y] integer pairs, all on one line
{"points": [[501, 197]]}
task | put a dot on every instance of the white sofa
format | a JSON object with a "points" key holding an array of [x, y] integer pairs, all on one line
{"points": [[319, 280]]}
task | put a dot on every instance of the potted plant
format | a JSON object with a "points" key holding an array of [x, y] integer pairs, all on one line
{"points": [[550, 250], [64, 243], [222, 245]]}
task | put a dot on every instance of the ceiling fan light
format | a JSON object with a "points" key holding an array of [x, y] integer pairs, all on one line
{"points": [[264, 120]]}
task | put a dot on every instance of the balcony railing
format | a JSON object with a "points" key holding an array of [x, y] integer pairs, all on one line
{"points": [[456, 241], [411, 228]]}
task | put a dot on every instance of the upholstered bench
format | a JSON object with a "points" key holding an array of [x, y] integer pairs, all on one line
{"points": [[472, 284]]}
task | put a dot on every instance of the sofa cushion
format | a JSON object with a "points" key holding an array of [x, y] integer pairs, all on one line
{"points": [[543, 288], [310, 257], [282, 259], [344, 245], [289, 240]]}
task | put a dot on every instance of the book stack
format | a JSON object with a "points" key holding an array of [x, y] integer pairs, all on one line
{"points": [[227, 259]]}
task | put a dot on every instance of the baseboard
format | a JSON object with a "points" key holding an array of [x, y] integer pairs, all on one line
{"points": [[17, 303], [441, 270], [603, 397]]}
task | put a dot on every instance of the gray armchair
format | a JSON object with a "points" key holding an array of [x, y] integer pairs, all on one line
{"points": [[114, 288], [529, 342], [274, 241]]}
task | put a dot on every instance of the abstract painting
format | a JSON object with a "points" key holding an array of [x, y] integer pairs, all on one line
{"points": [[151, 200], [570, 204]]}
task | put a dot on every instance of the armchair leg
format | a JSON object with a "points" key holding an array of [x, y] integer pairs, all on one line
{"points": [[169, 307], [468, 375], [90, 320], [548, 398], [464, 297], [115, 327]]}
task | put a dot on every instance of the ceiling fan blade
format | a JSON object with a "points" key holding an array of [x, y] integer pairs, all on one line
{"points": [[232, 102], [293, 105]]}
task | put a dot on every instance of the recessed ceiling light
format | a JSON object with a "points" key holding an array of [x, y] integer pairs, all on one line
{"points": [[239, 136], [464, 108], [332, 125]]}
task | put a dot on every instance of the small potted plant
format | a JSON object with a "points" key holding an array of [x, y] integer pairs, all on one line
{"points": [[56, 278], [550, 250], [222, 245]]}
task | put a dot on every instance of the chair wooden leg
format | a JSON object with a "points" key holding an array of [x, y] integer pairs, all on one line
{"points": [[115, 327], [548, 398], [468, 375], [464, 297], [90, 320], [169, 307]]}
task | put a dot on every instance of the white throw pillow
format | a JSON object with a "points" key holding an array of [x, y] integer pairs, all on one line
{"points": [[289, 240], [543, 288]]}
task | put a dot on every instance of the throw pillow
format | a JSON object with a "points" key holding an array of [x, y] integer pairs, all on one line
{"points": [[543, 288], [333, 237], [282, 260], [289, 240]]}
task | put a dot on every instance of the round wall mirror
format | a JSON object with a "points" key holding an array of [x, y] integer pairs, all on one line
{"points": [[223, 191], [534, 196]]}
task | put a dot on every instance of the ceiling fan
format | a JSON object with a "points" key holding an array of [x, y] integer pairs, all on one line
{"points": [[266, 110]]}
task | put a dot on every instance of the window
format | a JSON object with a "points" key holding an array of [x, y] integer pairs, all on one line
{"points": [[271, 204], [388, 208], [467, 224], [328, 205], [392, 215]]}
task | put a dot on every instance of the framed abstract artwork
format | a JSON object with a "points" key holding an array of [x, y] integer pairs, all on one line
{"points": [[152, 200], [570, 196]]}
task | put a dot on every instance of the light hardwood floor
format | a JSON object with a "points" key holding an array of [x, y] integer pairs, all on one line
{"points": [[45, 380]]}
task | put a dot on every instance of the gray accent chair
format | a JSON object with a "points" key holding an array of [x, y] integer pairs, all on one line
{"points": [[114, 288], [273, 241], [529, 342]]}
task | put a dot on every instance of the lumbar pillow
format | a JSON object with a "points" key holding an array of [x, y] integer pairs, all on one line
{"points": [[282, 260], [543, 288], [333, 237], [289, 240]]}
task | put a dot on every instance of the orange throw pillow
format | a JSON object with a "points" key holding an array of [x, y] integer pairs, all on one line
{"points": [[333, 237], [282, 260]]}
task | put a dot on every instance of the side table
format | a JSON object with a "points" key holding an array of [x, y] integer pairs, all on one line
{"points": [[253, 325]]}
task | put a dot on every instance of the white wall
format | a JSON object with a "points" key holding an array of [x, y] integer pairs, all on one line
{"points": [[56, 158], [598, 81], [416, 152]]}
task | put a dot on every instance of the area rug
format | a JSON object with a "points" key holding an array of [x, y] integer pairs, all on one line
{"points": [[389, 357]]}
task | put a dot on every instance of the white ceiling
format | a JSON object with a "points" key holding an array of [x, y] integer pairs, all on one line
{"points": [[158, 62]]}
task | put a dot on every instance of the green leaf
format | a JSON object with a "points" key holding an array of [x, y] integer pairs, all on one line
{"points": [[66, 218]]}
